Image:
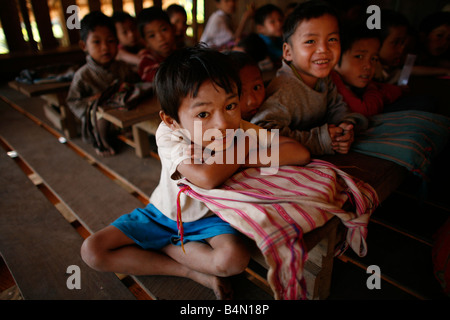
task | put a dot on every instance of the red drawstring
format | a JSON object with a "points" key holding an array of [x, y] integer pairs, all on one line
{"points": [[179, 221]]}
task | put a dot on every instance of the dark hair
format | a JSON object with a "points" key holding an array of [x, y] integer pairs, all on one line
{"points": [[241, 59], [391, 18], [184, 71], [355, 31], [93, 20], [255, 46], [433, 21], [262, 12], [306, 11], [149, 15], [175, 8], [121, 16]]}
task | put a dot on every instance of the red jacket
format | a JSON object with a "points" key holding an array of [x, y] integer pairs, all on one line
{"points": [[375, 96]]}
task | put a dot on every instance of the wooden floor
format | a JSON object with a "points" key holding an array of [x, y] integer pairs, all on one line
{"points": [[400, 234]]}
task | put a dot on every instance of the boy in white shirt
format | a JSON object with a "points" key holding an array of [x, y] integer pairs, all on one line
{"points": [[195, 86]]}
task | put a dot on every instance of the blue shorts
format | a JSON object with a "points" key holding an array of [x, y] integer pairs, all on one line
{"points": [[150, 229]]}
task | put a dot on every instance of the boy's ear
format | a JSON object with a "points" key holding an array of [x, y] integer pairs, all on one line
{"points": [[82, 45], [287, 51], [169, 121]]}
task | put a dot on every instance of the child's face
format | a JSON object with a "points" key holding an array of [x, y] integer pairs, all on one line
{"points": [[358, 64], [178, 20], [391, 51], [159, 37], [438, 40], [227, 6], [253, 91], [101, 45], [273, 25], [314, 48], [127, 33], [212, 108]]}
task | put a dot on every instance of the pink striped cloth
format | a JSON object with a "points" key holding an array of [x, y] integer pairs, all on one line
{"points": [[277, 210]]}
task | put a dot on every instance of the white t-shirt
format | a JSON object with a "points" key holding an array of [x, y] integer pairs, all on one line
{"points": [[218, 30], [171, 150]]}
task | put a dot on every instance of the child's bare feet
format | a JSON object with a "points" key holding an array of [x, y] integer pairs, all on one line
{"points": [[220, 286], [105, 152]]}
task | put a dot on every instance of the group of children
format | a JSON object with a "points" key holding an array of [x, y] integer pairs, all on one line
{"points": [[320, 98]]}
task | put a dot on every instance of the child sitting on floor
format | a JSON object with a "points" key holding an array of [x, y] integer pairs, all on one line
{"points": [[99, 42], [302, 100], [129, 42], [198, 89], [159, 37], [253, 90]]}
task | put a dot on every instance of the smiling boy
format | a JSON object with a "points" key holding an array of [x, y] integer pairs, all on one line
{"points": [[303, 102]]}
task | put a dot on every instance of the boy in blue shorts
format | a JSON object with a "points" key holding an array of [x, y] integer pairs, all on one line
{"points": [[198, 89]]}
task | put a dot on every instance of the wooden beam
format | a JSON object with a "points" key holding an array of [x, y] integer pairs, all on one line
{"points": [[72, 34], [94, 5], [43, 21], [9, 15], [138, 6], [117, 5], [157, 3], [26, 20]]}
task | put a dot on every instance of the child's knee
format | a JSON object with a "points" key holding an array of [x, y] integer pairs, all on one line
{"points": [[92, 253], [232, 260]]}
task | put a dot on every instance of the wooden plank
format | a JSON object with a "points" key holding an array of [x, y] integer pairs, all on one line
{"points": [[72, 34], [35, 90], [42, 16], [38, 244], [117, 5], [9, 16], [94, 5], [145, 110]]}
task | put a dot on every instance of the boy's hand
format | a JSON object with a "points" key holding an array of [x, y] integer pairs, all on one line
{"points": [[342, 137]]}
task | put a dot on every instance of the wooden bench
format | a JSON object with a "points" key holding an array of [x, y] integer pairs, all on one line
{"points": [[56, 109]]}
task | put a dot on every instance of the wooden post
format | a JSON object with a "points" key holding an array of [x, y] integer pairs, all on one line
{"points": [[9, 15], [138, 6], [73, 35], [94, 5], [117, 5], [26, 21], [42, 16]]}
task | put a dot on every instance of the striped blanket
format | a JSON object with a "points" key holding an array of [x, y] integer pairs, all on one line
{"points": [[409, 138], [277, 210]]}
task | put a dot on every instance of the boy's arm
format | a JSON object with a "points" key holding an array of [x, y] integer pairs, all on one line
{"points": [[276, 114], [211, 174]]}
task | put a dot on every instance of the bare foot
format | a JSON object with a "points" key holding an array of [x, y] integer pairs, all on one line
{"points": [[105, 152], [220, 286]]}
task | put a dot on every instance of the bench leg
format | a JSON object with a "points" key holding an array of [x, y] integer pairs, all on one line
{"points": [[141, 141], [319, 266]]}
